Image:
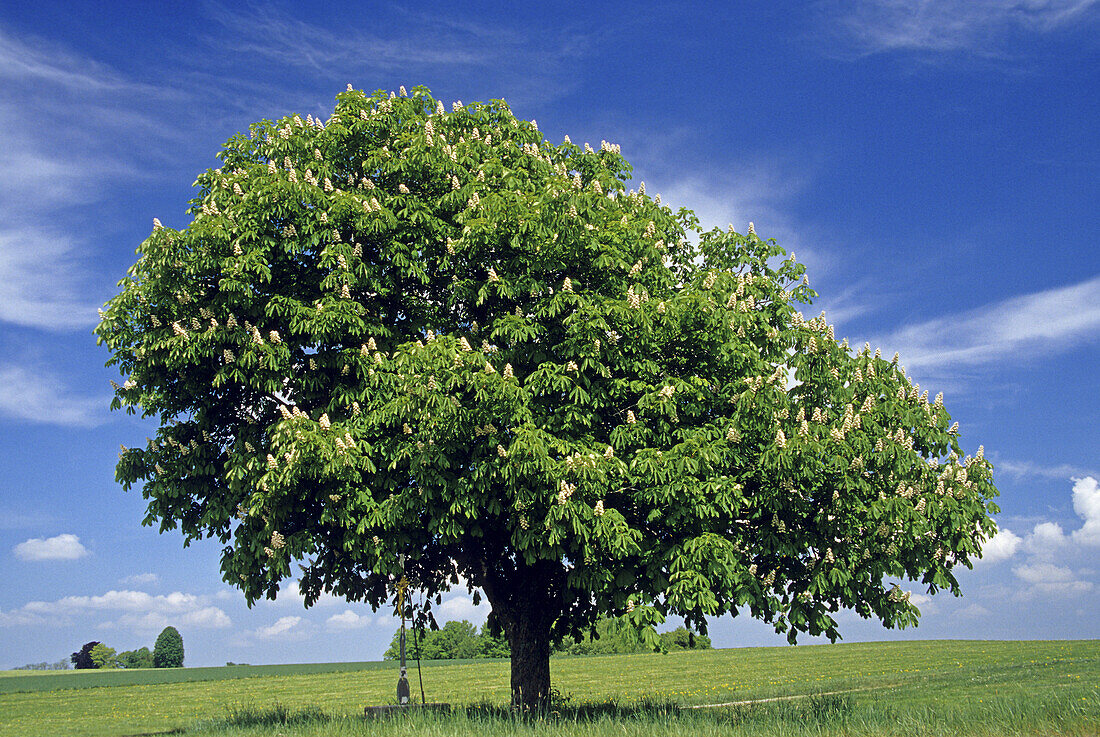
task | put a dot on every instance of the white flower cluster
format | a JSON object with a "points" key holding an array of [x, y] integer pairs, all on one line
{"points": [[598, 509], [667, 391], [565, 490]]}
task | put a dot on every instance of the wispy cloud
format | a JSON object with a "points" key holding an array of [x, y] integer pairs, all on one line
{"points": [[284, 627], [978, 27], [38, 396], [1023, 469], [62, 547], [42, 280], [1031, 325], [531, 65], [141, 579], [40, 60]]}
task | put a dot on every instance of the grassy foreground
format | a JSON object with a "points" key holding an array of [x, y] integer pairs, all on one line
{"points": [[906, 688]]}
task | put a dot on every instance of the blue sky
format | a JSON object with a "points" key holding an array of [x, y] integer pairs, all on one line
{"points": [[935, 164]]}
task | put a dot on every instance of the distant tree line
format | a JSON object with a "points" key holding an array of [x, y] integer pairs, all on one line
{"points": [[62, 664], [167, 652], [462, 640]]}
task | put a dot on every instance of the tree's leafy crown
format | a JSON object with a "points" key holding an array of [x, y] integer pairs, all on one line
{"points": [[427, 332], [168, 649]]}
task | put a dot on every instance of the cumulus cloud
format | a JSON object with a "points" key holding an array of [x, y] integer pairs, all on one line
{"points": [[1086, 502], [460, 605], [1002, 546], [348, 620], [135, 610], [61, 547], [1049, 552], [1049, 578]]}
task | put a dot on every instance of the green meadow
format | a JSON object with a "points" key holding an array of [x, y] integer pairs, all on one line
{"points": [[902, 688]]}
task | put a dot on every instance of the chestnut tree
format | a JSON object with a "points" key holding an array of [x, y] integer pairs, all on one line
{"points": [[426, 331]]}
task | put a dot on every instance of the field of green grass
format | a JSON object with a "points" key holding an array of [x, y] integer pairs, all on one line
{"points": [[904, 688]]}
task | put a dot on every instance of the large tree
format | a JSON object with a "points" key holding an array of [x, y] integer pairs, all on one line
{"points": [[427, 332]]}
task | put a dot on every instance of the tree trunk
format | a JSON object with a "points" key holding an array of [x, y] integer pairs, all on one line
{"points": [[529, 638], [525, 605]]}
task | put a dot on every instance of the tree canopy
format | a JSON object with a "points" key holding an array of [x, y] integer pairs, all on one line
{"points": [[420, 331], [82, 659], [168, 649]]}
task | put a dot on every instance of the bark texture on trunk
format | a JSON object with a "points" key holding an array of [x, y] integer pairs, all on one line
{"points": [[525, 605], [529, 639]]}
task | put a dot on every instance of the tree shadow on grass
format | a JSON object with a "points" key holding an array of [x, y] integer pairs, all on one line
{"points": [[824, 709]]}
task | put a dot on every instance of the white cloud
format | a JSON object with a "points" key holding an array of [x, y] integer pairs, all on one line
{"points": [[348, 620], [979, 27], [460, 605], [1028, 325], [141, 579], [974, 610], [282, 627], [923, 602], [1048, 578], [61, 547], [136, 610], [1086, 502], [1053, 556], [532, 65], [1002, 546], [36, 395], [42, 62], [41, 276], [1021, 469]]}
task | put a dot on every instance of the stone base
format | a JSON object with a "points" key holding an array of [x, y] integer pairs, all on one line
{"points": [[375, 712]]}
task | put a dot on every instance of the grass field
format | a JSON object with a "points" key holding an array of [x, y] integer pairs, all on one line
{"points": [[907, 688]]}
